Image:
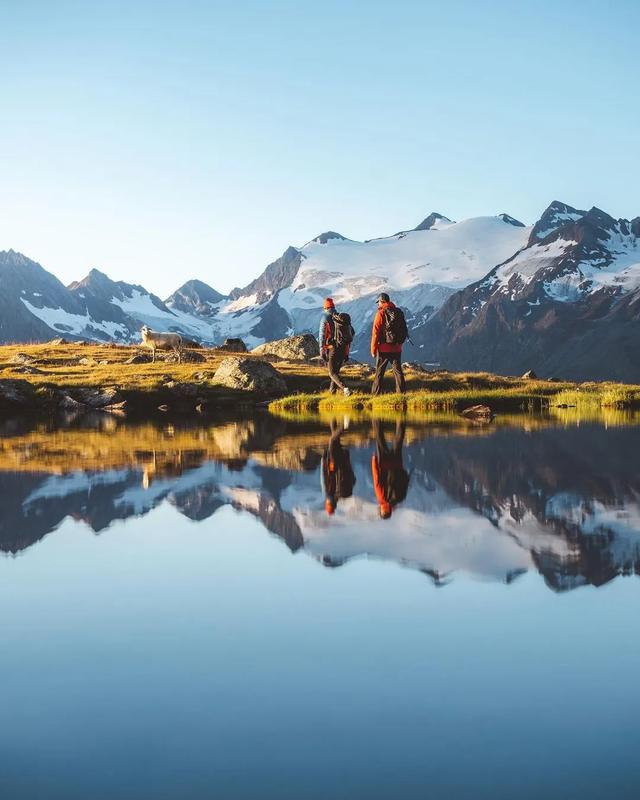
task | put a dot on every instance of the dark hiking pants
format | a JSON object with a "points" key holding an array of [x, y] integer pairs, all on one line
{"points": [[382, 362], [383, 451], [334, 364]]}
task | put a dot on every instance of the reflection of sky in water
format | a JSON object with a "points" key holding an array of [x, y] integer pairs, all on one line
{"points": [[562, 501], [180, 660]]}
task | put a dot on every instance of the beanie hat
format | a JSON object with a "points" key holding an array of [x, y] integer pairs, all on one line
{"points": [[328, 303]]}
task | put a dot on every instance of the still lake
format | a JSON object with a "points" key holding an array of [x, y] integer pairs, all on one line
{"points": [[267, 608]]}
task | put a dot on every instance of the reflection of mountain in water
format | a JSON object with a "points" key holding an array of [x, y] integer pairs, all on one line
{"points": [[564, 501]]}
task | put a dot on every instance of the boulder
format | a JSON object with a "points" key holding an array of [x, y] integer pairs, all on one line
{"points": [[233, 346], [116, 408], [139, 358], [99, 398], [478, 412], [68, 403], [293, 348], [87, 361], [16, 392], [22, 358], [182, 389], [413, 366], [530, 375], [186, 357], [249, 375], [58, 341], [26, 369]]}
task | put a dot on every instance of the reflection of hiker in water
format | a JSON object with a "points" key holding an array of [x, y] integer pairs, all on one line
{"points": [[390, 478], [338, 479]]}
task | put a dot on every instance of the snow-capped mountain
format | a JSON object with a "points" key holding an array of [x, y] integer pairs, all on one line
{"points": [[36, 306], [560, 296], [565, 304], [420, 267], [195, 297]]}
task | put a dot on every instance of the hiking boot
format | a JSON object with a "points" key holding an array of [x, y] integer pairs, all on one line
{"points": [[346, 391]]}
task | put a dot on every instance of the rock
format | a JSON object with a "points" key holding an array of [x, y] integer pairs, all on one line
{"points": [[87, 361], [116, 408], [22, 358], [182, 389], [139, 358], [163, 407], [28, 370], [58, 341], [186, 357], [478, 412], [16, 392], [249, 375], [201, 376], [415, 367], [233, 346], [69, 404], [530, 375], [293, 348], [99, 398]]}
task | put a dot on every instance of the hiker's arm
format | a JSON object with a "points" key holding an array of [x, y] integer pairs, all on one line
{"points": [[375, 332]]}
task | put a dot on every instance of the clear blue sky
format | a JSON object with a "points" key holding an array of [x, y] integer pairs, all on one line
{"points": [[160, 141]]}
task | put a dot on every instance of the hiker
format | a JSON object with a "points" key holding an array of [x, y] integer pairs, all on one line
{"points": [[337, 474], [387, 337], [390, 478], [335, 337]]}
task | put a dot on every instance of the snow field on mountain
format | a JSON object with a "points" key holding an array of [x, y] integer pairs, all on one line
{"points": [[62, 321], [452, 255]]}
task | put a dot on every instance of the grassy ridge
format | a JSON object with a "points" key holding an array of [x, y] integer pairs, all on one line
{"points": [[73, 366]]}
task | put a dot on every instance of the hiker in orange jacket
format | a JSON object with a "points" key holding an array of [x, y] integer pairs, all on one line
{"points": [[390, 478], [384, 351]]}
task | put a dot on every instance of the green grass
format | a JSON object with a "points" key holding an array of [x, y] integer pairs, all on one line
{"points": [[510, 399], [604, 395]]}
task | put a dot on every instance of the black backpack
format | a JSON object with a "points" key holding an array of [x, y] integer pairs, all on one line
{"points": [[395, 326], [343, 332], [397, 484]]}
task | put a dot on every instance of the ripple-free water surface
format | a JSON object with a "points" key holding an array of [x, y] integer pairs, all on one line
{"points": [[223, 611]]}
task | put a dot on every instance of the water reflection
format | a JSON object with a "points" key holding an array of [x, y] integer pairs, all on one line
{"points": [[440, 498]]}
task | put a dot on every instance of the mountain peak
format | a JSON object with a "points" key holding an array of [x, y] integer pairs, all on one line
{"points": [[428, 222], [554, 217], [511, 220], [93, 279], [325, 237], [194, 295]]}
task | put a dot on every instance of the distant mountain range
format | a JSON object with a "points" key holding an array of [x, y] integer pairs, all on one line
{"points": [[485, 293]]}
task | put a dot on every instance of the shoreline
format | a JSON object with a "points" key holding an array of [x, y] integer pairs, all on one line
{"points": [[81, 377]]}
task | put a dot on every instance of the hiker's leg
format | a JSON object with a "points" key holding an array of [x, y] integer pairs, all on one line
{"points": [[398, 372], [381, 445], [398, 439], [381, 368], [334, 364]]}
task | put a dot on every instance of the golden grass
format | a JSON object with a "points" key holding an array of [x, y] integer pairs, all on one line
{"points": [[427, 392]]}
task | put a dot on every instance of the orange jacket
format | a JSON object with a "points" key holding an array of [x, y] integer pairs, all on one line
{"points": [[379, 484], [377, 334]]}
